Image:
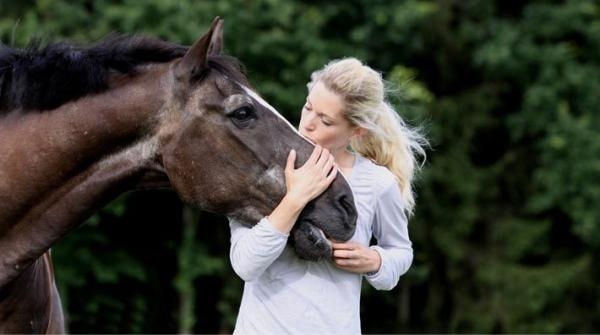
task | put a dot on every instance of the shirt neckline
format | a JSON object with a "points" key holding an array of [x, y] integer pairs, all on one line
{"points": [[357, 157]]}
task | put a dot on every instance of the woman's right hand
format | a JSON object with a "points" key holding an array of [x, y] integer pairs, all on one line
{"points": [[311, 179]]}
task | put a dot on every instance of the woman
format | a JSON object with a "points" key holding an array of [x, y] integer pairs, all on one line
{"points": [[345, 108]]}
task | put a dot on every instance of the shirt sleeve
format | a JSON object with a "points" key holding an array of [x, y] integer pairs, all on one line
{"points": [[253, 249], [390, 228]]}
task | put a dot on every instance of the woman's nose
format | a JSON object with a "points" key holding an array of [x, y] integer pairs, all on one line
{"points": [[309, 126], [309, 122]]}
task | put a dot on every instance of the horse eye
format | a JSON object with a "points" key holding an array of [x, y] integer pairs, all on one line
{"points": [[242, 113], [242, 116]]}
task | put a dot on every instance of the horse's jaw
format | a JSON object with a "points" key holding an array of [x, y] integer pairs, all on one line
{"points": [[310, 242]]}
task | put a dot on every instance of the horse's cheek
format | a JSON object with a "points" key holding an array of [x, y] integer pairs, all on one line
{"points": [[182, 171]]}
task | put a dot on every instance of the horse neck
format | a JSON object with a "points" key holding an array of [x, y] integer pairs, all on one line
{"points": [[30, 303], [81, 156]]}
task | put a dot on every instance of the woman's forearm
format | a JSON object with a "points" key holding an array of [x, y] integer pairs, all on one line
{"points": [[254, 249], [286, 213]]}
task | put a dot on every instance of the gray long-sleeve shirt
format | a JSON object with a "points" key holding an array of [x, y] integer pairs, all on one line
{"points": [[285, 294]]}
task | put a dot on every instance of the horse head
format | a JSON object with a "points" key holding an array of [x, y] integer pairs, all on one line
{"points": [[224, 149]]}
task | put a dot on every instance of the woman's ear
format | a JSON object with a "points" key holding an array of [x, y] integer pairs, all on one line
{"points": [[358, 132]]}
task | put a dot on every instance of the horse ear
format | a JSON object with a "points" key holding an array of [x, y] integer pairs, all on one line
{"points": [[216, 41], [195, 59]]}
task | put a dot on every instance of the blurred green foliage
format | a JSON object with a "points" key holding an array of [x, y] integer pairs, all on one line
{"points": [[506, 233]]}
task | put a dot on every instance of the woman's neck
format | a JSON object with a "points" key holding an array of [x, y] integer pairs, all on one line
{"points": [[345, 161]]}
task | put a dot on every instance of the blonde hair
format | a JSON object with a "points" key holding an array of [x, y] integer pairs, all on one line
{"points": [[388, 141]]}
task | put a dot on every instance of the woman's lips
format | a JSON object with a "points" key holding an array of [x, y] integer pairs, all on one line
{"points": [[310, 139]]}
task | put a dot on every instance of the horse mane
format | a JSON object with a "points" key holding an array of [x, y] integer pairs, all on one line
{"points": [[39, 78]]}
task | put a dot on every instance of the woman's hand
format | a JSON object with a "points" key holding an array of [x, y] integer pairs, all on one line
{"points": [[312, 179], [303, 185], [355, 257]]}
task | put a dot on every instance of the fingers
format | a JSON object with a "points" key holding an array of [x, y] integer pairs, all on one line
{"points": [[320, 158], [347, 263], [322, 161], [344, 246], [355, 257], [329, 166], [348, 257], [323, 158], [314, 157], [343, 254], [319, 169], [289, 166], [331, 176]]}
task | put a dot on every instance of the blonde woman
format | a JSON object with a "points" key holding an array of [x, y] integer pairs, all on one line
{"points": [[345, 109]]}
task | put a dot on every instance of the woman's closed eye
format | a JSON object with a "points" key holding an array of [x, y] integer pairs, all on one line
{"points": [[326, 120]]}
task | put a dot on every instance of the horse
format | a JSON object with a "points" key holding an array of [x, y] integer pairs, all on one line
{"points": [[81, 125]]}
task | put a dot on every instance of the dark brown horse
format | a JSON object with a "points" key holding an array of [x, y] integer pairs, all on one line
{"points": [[79, 126]]}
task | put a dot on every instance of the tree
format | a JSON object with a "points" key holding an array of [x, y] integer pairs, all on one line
{"points": [[506, 232]]}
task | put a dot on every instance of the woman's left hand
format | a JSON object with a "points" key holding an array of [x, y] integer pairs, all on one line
{"points": [[355, 257]]}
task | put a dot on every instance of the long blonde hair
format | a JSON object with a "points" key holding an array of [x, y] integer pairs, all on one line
{"points": [[388, 141]]}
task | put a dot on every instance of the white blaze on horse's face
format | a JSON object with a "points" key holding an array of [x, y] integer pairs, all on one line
{"points": [[274, 111], [260, 100]]}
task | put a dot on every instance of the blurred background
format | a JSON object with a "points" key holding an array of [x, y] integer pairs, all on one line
{"points": [[506, 234]]}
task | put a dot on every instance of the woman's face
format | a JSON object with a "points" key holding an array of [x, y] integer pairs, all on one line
{"points": [[322, 119]]}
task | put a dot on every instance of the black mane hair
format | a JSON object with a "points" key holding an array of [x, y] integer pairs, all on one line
{"points": [[43, 78]]}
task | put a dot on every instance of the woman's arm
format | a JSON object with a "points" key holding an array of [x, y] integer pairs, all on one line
{"points": [[384, 263], [390, 228], [254, 249]]}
